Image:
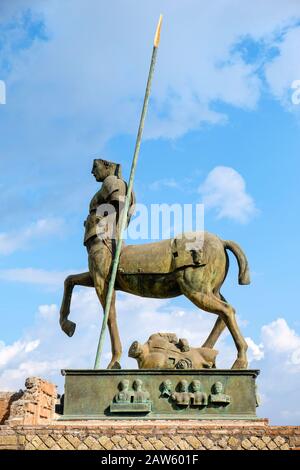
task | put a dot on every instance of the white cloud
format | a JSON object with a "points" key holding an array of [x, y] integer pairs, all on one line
{"points": [[48, 311], [255, 351], [279, 381], [34, 276], [224, 190], [16, 350], [11, 242], [100, 93], [31, 345], [2, 92], [91, 98], [279, 338], [284, 69], [164, 183]]}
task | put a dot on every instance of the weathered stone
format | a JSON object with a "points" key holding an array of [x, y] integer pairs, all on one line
{"points": [[271, 445], [246, 444], [92, 443], [123, 443], [64, 444], [29, 446], [295, 441], [74, 440], [182, 444], [6, 401], [103, 440], [222, 443], [147, 445], [194, 442], [168, 442], [21, 440], [42, 446], [109, 445], [260, 444], [82, 446], [50, 442], [55, 447], [233, 442], [206, 442], [8, 440], [147, 436], [157, 444], [36, 442], [35, 404], [285, 447], [279, 441]]}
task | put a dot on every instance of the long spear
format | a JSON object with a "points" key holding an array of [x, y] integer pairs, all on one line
{"points": [[128, 197]]}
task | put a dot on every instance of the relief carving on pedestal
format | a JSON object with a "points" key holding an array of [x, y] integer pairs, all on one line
{"points": [[192, 395], [131, 400]]}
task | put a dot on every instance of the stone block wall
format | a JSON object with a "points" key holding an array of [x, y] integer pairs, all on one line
{"points": [[6, 400], [150, 435]]}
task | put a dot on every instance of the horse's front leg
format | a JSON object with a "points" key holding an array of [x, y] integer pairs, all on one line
{"points": [[82, 279]]}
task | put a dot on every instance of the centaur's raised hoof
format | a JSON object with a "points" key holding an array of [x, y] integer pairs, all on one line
{"points": [[240, 364], [68, 327]]}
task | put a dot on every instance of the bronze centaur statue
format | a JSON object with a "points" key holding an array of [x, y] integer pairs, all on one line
{"points": [[164, 269]]}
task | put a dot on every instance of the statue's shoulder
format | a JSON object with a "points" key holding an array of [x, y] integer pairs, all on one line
{"points": [[110, 179], [113, 184]]}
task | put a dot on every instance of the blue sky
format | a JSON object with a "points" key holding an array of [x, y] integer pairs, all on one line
{"points": [[221, 126]]}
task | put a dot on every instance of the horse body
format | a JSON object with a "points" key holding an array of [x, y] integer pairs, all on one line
{"points": [[147, 270], [152, 270]]}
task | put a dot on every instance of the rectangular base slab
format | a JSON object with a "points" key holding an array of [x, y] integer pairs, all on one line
{"points": [[159, 394]]}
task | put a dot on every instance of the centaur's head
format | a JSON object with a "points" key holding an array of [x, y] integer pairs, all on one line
{"points": [[103, 168]]}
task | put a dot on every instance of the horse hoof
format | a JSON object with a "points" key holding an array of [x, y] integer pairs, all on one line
{"points": [[68, 327], [240, 364], [114, 365]]}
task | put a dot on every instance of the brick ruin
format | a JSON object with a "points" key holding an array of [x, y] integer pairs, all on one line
{"points": [[33, 406], [28, 421]]}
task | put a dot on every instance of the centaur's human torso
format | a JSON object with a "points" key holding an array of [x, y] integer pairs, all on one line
{"points": [[109, 198], [102, 223]]}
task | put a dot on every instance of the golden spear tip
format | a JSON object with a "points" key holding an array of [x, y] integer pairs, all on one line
{"points": [[157, 33]]}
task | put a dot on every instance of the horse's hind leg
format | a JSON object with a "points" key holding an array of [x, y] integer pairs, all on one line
{"points": [[82, 279], [210, 303], [218, 328]]}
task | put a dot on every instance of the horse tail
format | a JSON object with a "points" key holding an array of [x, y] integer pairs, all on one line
{"points": [[244, 275]]}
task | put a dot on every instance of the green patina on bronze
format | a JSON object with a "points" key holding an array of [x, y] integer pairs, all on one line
{"points": [[166, 351], [160, 394]]}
